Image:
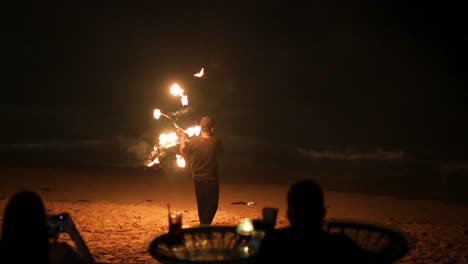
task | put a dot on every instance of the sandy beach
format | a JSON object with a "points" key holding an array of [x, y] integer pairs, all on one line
{"points": [[120, 212], [367, 98]]}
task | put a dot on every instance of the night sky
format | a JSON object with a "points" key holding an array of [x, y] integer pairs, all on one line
{"points": [[329, 74]]}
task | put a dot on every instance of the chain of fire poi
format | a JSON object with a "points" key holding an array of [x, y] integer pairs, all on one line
{"points": [[168, 140]]}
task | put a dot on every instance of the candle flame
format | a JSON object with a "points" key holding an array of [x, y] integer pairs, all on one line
{"points": [[200, 74], [245, 227]]}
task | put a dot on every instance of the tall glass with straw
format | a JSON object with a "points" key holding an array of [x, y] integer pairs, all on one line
{"points": [[175, 226]]}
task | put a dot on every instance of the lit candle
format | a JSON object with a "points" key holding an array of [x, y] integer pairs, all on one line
{"points": [[245, 227]]}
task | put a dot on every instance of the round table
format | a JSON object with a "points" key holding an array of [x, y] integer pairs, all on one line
{"points": [[382, 244], [222, 244], [205, 244]]}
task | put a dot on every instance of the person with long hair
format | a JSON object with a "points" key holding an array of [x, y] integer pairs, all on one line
{"points": [[29, 235]]}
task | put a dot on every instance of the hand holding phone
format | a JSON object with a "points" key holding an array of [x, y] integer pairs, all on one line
{"points": [[56, 223]]}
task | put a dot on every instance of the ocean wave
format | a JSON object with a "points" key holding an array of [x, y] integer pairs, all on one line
{"points": [[136, 150], [454, 167], [347, 154]]}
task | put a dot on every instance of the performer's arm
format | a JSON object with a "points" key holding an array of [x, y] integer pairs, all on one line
{"points": [[183, 138]]}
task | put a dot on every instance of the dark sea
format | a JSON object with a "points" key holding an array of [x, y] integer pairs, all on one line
{"points": [[380, 171]]}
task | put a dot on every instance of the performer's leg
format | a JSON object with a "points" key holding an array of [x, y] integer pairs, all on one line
{"points": [[207, 193], [200, 192], [212, 204]]}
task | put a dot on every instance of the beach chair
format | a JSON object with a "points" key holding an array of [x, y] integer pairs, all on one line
{"points": [[382, 244]]}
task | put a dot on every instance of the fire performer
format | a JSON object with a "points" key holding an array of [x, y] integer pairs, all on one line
{"points": [[203, 150]]}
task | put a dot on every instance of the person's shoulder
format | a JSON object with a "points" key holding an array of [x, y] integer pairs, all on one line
{"points": [[348, 247], [280, 234], [341, 238], [275, 239], [194, 139]]}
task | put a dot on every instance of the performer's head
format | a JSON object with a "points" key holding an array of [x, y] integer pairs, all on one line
{"points": [[207, 124]]}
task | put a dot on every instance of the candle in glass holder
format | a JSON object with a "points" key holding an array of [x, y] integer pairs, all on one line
{"points": [[245, 227]]}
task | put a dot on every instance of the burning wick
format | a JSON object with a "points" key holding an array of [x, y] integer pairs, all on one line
{"points": [[157, 114], [200, 74], [176, 90]]}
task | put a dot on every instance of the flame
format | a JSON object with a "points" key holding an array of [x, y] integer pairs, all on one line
{"points": [[168, 140], [200, 74], [180, 161], [191, 131], [171, 139], [155, 161], [245, 227], [176, 90], [184, 100], [157, 113]]}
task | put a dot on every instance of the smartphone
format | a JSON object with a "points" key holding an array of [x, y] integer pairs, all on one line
{"points": [[56, 223]]}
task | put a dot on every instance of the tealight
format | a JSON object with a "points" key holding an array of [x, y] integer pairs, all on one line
{"points": [[245, 227]]}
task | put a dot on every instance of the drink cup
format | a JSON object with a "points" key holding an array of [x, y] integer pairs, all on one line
{"points": [[175, 223], [269, 216], [176, 233]]}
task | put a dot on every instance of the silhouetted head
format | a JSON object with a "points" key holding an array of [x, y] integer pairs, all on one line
{"points": [[207, 124], [24, 230], [305, 204]]}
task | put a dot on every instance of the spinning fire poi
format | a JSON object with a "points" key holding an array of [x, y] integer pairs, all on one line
{"points": [[200, 73], [169, 140]]}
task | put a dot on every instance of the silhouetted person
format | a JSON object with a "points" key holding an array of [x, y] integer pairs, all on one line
{"points": [[29, 235], [24, 234], [305, 241], [203, 150]]}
